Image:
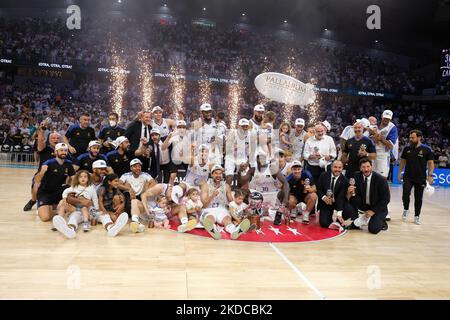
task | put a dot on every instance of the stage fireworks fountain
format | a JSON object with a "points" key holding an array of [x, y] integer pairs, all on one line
{"points": [[289, 108], [178, 89], [235, 91], [145, 80], [205, 90], [118, 79]]}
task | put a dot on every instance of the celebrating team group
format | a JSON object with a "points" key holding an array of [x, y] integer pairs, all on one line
{"points": [[163, 173]]}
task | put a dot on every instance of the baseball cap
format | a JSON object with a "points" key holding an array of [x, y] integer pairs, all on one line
{"points": [[296, 163], [388, 114], [365, 122], [327, 125], [135, 161], [181, 123], [216, 167], [203, 146], [157, 108], [155, 131], [93, 143], [99, 164], [177, 194], [119, 141], [259, 107], [205, 107], [244, 122], [299, 122], [60, 146]]}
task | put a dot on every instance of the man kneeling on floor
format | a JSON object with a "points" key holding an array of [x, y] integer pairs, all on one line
{"points": [[215, 196], [370, 196]]}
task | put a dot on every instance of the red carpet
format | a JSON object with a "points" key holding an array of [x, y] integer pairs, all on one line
{"points": [[271, 233]]}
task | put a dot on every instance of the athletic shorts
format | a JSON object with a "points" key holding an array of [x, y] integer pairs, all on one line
{"points": [[49, 198], [218, 213], [382, 165]]}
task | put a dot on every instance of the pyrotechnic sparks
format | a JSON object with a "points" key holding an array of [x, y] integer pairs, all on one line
{"points": [[235, 91], [205, 90], [178, 89], [118, 79], [145, 80], [289, 108]]}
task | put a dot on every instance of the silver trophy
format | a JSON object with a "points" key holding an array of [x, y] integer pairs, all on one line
{"points": [[307, 183], [352, 183], [316, 150], [330, 193]]}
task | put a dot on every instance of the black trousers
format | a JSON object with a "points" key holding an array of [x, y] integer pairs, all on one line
{"points": [[326, 213], [376, 222], [418, 195], [316, 171]]}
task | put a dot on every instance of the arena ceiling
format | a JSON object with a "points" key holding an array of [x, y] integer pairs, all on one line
{"points": [[408, 27]]}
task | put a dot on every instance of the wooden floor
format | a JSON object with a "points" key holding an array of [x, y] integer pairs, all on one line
{"points": [[407, 261]]}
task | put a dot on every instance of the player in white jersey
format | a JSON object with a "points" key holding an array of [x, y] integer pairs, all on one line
{"points": [[267, 179], [199, 168], [240, 150], [386, 144], [164, 125], [215, 195], [284, 167], [99, 171], [258, 116], [298, 139], [137, 181]]}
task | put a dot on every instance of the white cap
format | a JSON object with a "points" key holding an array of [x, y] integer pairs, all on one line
{"points": [[181, 123], [99, 164], [388, 114], [119, 141], [177, 194], [93, 143], [205, 107], [429, 190], [244, 122], [327, 125], [216, 167], [135, 161], [300, 122], [365, 122], [259, 107], [155, 131], [296, 163], [203, 146], [60, 146], [157, 108]]}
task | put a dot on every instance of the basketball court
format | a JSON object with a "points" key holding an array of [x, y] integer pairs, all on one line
{"points": [[406, 262]]}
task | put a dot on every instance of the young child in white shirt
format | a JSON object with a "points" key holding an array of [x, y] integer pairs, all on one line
{"points": [[160, 212], [237, 207]]}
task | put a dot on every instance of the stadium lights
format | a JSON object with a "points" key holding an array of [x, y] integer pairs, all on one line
{"points": [[325, 29], [285, 21], [243, 14], [119, 1], [204, 9], [165, 5]]}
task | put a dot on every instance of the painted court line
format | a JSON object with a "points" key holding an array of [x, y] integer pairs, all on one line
{"points": [[298, 272]]}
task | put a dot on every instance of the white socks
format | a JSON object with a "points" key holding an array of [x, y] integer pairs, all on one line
{"points": [[230, 228], [135, 218]]}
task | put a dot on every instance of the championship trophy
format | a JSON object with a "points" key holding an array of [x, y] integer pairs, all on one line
{"points": [[255, 208]]}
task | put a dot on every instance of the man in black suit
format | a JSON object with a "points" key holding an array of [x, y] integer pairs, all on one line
{"points": [[332, 190], [370, 196], [140, 128]]}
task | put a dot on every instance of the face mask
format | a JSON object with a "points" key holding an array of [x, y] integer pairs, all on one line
{"points": [[112, 123]]}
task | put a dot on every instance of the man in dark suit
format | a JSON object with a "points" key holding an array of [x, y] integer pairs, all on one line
{"points": [[332, 190], [140, 128], [370, 196]]}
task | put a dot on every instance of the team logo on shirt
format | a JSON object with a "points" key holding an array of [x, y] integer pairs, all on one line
{"points": [[420, 154], [77, 133], [66, 171], [55, 170]]}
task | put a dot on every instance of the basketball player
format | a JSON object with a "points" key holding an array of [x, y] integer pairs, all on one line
{"points": [[199, 168], [85, 160], [240, 150], [99, 171], [53, 175], [136, 182], [164, 125], [119, 159], [298, 139], [215, 195], [180, 143], [258, 116]]}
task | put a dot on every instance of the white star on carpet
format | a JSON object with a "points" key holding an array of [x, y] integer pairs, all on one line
{"points": [[275, 230], [220, 229], [294, 231], [258, 231]]}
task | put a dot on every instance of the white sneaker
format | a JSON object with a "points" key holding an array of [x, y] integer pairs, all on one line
{"points": [[86, 226], [305, 218], [118, 225], [405, 215], [136, 227], [61, 225], [417, 220], [191, 224], [388, 218]]}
